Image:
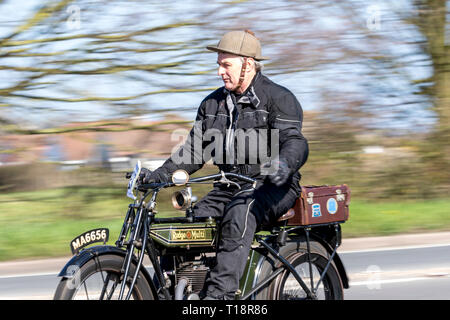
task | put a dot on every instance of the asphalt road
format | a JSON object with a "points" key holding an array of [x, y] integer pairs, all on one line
{"points": [[399, 274], [409, 271]]}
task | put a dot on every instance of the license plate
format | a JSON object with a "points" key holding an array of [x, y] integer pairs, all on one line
{"points": [[89, 237]]}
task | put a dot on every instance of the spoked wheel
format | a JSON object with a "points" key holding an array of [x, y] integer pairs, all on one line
{"points": [[286, 287], [100, 279], [329, 288]]}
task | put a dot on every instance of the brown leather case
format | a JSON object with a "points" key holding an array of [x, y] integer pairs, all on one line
{"points": [[321, 204]]}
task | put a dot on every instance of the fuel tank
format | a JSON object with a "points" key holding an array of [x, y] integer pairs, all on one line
{"points": [[183, 235]]}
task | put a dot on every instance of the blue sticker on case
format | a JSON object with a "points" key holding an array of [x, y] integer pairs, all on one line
{"points": [[332, 206], [316, 210]]}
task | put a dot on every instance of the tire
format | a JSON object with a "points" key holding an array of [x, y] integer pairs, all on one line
{"points": [[286, 287], [88, 281]]}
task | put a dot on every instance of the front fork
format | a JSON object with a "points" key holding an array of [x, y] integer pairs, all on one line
{"points": [[139, 238], [133, 241]]}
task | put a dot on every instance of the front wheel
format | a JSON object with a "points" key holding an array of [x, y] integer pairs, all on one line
{"points": [[100, 279]]}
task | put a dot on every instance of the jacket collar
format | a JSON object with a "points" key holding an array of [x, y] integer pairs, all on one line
{"points": [[249, 96]]}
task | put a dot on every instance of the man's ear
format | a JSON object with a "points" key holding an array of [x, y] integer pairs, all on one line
{"points": [[250, 64]]}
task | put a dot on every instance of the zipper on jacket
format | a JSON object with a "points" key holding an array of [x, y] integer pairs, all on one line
{"points": [[230, 130]]}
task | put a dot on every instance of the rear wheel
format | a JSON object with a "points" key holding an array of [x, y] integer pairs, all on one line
{"points": [[286, 287], [100, 279]]}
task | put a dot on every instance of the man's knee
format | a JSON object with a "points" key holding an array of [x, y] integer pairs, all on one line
{"points": [[229, 245], [238, 226], [233, 225]]}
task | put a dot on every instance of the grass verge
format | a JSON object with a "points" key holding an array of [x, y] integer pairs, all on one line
{"points": [[42, 223]]}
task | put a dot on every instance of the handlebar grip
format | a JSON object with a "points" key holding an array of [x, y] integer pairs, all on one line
{"points": [[153, 185]]}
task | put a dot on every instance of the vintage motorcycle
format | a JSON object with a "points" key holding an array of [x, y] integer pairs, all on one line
{"points": [[294, 259]]}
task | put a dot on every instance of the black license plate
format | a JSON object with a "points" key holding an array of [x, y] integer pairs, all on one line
{"points": [[89, 237]]}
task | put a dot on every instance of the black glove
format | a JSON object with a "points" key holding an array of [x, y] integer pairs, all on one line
{"points": [[160, 175], [277, 170]]}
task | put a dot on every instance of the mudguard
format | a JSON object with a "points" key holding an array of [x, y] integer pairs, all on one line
{"points": [[337, 261], [328, 238], [257, 259], [87, 254]]}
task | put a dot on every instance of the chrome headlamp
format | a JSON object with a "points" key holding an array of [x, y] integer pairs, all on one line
{"points": [[181, 200]]}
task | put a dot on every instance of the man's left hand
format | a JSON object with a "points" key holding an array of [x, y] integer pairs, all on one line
{"points": [[157, 176]]}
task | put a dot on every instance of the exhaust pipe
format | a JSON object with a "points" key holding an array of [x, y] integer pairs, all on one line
{"points": [[179, 289]]}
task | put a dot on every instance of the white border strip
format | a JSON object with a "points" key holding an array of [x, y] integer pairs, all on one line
{"points": [[18, 275], [379, 282], [396, 248]]}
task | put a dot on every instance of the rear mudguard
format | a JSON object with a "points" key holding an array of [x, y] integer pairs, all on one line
{"points": [[337, 261], [329, 237], [258, 259], [85, 255], [253, 272]]}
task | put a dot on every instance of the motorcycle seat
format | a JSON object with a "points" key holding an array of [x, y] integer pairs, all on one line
{"points": [[288, 215]]}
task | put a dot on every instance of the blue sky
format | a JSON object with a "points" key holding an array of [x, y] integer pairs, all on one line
{"points": [[364, 78]]}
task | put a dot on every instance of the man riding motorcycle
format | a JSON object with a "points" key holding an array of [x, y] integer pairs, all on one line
{"points": [[248, 107]]}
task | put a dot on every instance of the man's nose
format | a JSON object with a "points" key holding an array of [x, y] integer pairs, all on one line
{"points": [[220, 71]]}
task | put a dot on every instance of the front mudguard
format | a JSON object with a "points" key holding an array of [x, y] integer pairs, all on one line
{"points": [[80, 259]]}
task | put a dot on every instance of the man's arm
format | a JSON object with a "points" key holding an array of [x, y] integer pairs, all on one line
{"points": [[189, 156], [287, 117]]}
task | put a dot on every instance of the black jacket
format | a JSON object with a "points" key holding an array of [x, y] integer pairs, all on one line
{"points": [[236, 131]]}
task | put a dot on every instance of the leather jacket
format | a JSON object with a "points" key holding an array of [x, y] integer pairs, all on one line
{"points": [[240, 132]]}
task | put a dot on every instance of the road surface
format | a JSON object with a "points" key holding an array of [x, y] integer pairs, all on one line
{"points": [[389, 268]]}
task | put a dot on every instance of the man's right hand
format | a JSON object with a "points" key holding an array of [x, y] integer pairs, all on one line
{"points": [[158, 176], [277, 170]]}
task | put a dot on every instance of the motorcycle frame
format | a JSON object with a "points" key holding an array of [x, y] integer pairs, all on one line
{"points": [[140, 217]]}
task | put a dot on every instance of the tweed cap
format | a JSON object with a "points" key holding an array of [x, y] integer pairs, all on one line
{"points": [[241, 43]]}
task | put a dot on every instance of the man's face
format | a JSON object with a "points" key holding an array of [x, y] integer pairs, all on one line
{"points": [[229, 69]]}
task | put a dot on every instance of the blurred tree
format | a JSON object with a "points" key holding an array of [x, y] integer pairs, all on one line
{"points": [[357, 65], [432, 20], [61, 55]]}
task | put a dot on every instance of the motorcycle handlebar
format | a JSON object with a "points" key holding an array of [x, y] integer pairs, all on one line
{"points": [[221, 175], [144, 187]]}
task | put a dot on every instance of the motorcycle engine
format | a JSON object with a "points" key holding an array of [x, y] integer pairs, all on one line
{"points": [[196, 272]]}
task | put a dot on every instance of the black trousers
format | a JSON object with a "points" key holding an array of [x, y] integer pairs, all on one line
{"points": [[243, 213]]}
